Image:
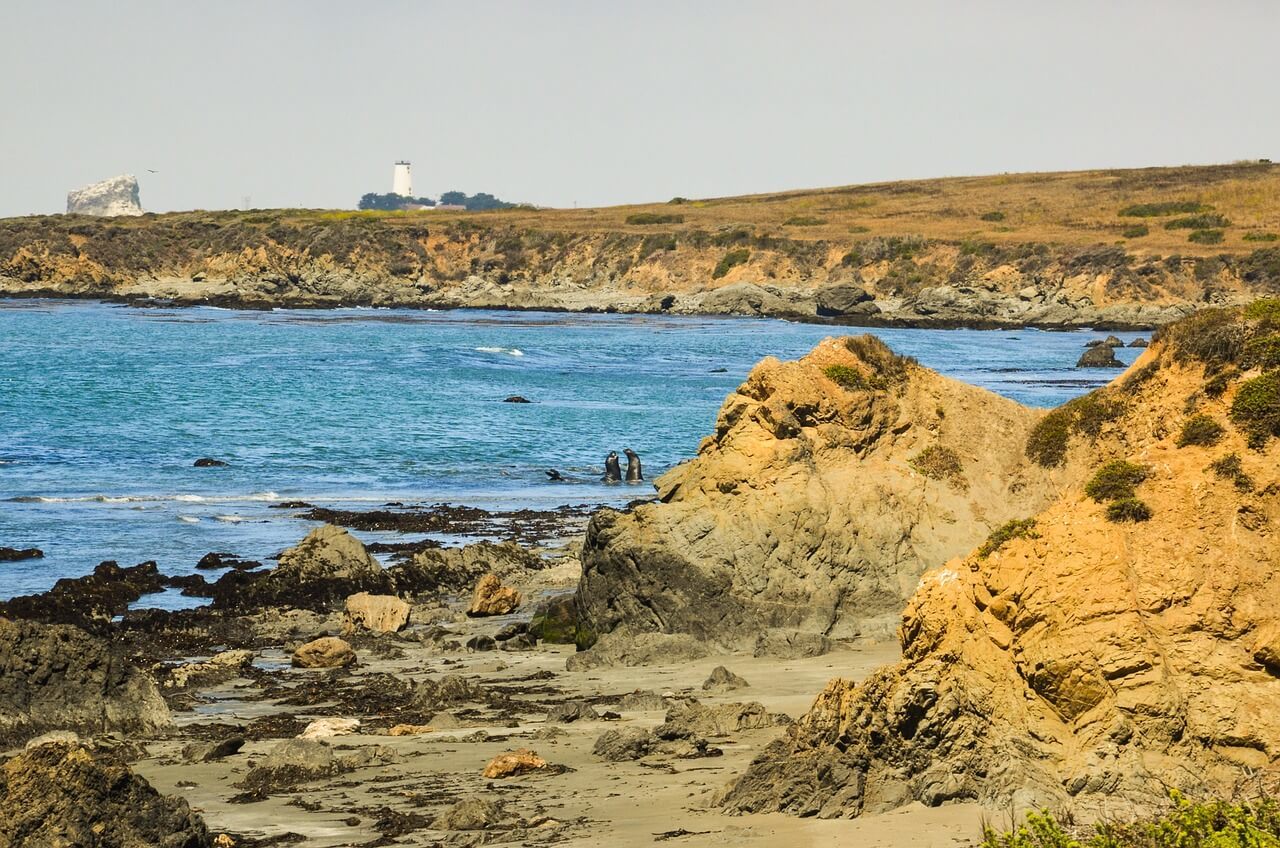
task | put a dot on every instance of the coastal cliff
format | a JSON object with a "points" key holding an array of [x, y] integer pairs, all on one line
{"points": [[1103, 248], [1123, 641]]}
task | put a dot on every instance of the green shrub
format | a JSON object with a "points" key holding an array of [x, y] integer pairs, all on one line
{"points": [[1207, 824], [1115, 480], [1262, 352], [1213, 336], [1230, 468], [846, 377], [1256, 236], [1047, 443], [1256, 408], [939, 463], [654, 218], [1217, 385], [993, 216], [657, 242], [1128, 509], [1018, 528], [1135, 231], [1200, 430], [1206, 236], [803, 221], [676, 201], [883, 248], [1264, 309], [1204, 221], [730, 260], [887, 367], [1157, 210]]}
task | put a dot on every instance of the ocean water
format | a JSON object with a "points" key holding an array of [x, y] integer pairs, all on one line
{"points": [[104, 408]]}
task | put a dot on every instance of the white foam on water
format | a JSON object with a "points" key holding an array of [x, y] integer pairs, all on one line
{"points": [[510, 351], [128, 499], [188, 519]]}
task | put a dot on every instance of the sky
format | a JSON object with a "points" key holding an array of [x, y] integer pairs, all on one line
{"points": [[308, 102]]}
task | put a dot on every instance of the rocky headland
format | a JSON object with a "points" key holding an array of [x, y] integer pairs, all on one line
{"points": [[1102, 248]]}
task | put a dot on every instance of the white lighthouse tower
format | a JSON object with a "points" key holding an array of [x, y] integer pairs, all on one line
{"points": [[401, 181]]}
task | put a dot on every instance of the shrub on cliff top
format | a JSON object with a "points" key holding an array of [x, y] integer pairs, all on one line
{"points": [[1265, 310], [1200, 430], [888, 367], [1018, 528], [730, 260], [1256, 236], [1213, 336], [1203, 221], [1206, 236], [654, 218], [1048, 440], [1135, 231], [1256, 408], [1115, 480], [1157, 210], [803, 221]]}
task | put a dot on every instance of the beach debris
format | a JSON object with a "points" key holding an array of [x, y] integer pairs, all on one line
{"points": [[514, 763]]}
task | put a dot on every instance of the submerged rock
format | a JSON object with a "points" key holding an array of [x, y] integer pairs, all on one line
{"points": [[209, 462], [18, 554], [63, 794], [60, 677], [116, 196]]}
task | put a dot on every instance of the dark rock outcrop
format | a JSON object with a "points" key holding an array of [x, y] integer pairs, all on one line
{"points": [[17, 554], [63, 794], [209, 462], [845, 299], [1099, 356], [91, 600], [59, 677]]}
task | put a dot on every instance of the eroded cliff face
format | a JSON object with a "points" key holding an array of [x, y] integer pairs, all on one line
{"points": [[830, 485], [329, 259], [1087, 659]]}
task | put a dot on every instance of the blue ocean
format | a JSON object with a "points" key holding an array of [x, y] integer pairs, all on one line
{"points": [[104, 408]]}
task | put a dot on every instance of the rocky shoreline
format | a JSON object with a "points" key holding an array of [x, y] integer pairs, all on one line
{"points": [[1090, 619]]}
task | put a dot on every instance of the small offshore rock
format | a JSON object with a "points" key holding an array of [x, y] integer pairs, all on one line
{"points": [[514, 763], [722, 679], [378, 613], [327, 728], [1139, 342], [325, 652], [209, 462], [1102, 356], [208, 752], [517, 399], [17, 554], [492, 598]]}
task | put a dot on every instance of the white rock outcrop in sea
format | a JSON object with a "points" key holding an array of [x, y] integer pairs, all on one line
{"points": [[116, 196]]}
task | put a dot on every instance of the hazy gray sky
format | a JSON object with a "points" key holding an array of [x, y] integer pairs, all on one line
{"points": [[309, 103]]}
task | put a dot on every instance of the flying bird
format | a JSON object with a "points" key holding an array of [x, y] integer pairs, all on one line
{"points": [[149, 171]]}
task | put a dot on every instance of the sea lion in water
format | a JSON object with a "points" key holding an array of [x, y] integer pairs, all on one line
{"points": [[554, 476], [634, 474], [612, 470]]}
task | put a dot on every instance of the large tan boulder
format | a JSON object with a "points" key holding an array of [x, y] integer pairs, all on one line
{"points": [[829, 486], [325, 652], [1090, 658], [492, 598], [514, 763], [379, 613]]}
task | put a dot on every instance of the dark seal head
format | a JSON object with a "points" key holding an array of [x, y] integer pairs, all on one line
{"points": [[634, 472], [554, 476], [612, 470]]}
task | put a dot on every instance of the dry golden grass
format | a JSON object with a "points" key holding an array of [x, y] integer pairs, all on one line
{"points": [[1078, 207]]}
